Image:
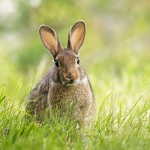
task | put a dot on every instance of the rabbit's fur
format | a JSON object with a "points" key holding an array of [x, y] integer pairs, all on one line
{"points": [[66, 83]]}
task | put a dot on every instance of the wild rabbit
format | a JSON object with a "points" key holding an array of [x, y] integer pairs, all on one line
{"points": [[66, 82]]}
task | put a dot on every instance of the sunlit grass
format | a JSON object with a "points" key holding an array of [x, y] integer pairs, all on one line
{"points": [[122, 119], [115, 55]]}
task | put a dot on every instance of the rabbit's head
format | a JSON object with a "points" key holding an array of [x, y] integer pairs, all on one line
{"points": [[66, 60]]}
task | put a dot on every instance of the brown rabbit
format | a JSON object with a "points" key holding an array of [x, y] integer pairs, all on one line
{"points": [[66, 83]]}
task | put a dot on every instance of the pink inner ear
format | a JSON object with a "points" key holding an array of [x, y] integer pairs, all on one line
{"points": [[49, 40], [76, 37]]}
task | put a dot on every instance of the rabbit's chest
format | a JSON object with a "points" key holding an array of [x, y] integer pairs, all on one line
{"points": [[61, 96]]}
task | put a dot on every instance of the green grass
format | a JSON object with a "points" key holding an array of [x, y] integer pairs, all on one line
{"points": [[122, 120], [117, 59]]}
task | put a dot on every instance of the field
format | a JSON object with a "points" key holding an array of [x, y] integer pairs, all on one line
{"points": [[116, 57]]}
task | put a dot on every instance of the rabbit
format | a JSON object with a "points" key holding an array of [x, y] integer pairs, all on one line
{"points": [[66, 82]]}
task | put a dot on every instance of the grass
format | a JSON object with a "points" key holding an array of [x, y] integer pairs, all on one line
{"points": [[122, 120], [112, 130], [116, 57]]}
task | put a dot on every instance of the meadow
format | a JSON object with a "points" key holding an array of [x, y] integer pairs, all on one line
{"points": [[116, 57]]}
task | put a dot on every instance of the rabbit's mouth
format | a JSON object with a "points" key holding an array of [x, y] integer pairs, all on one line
{"points": [[71, 82]]}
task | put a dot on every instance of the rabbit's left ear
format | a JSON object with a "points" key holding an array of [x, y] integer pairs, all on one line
{"points": [[76, 36], [50, 39]]}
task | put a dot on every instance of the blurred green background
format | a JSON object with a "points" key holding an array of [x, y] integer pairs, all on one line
{"points": [[116, 52], [115, 55]]}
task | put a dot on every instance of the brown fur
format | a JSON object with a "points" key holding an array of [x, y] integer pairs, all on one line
{"points": [[64, 85]]}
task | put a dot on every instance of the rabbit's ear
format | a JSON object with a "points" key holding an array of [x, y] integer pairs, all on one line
{"points": [[50, 39], [76, 36]]}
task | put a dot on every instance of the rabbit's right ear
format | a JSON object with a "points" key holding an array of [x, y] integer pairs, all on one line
{"points": [[50, 39], [76, 36]]}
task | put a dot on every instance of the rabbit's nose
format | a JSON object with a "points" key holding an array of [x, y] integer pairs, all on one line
{"points": [[69, 77]]}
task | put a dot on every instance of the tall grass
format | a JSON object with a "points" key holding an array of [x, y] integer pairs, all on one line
{"points": [[115, 55], [122, 120]]}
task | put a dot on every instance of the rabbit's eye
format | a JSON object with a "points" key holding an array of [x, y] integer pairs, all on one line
{"points": [[56, 63], [78, 60]]}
